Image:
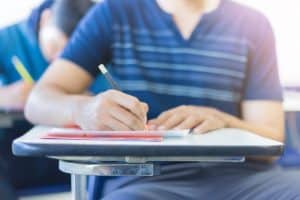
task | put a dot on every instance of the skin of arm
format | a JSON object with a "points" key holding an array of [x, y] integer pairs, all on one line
{"points": [[14, 95], [55, 101]]}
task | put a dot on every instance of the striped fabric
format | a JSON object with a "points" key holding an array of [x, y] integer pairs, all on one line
{"points": [[152, 61]]}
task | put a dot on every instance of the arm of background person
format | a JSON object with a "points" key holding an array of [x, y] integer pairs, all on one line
{"points": [[14, 95]]}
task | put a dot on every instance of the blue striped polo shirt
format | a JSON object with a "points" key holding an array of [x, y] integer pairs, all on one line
{"points": [[229, 58]]}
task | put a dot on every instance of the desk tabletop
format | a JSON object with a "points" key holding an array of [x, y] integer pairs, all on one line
{"points": [[225, 142]]}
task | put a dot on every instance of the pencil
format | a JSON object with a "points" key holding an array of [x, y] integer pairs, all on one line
{"points": [[109, 78], [21, 69], [112, 83]]}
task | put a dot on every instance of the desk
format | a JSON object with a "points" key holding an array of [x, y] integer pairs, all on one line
{"points": [[111, 158], [8, 117]]}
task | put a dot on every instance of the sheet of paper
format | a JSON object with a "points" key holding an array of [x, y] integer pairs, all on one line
{"points": [[77, 134]]}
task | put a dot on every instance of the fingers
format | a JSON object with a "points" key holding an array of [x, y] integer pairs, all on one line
{"points": [[145, 107], [129, 120], [190, 123], [115, 125], [129, 102], [162, 118], [210, 124], [171, 122], [200, 119]]}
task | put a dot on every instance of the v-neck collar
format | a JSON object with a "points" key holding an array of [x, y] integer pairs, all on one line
{"points": [[201, 24]]}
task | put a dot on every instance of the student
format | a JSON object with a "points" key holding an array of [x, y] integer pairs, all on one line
{"points": [[201, 64], [36, 41]]}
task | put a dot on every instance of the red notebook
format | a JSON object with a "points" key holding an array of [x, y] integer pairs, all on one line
{"points": [[77, 134]]}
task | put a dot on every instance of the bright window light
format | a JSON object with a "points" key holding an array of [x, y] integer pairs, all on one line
{"points": [[13, 11], [284, 17]]}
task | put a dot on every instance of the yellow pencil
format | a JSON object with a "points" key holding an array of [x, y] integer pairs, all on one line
{"points": [[21, 69]]}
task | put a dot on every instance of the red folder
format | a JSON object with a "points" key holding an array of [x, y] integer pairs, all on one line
{"points": [[75, 134]]}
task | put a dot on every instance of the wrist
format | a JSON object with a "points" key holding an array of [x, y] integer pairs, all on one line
{"points": [[229, 120], [77, 107]]}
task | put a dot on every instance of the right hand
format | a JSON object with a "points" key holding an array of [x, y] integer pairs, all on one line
{"points": [[111, 110], [16, 95]]}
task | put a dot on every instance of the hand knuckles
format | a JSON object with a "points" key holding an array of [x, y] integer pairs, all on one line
{"points": [[163, 114], [110, 92], [103, 101], [183, 107], [135, 103], [104, 94]]}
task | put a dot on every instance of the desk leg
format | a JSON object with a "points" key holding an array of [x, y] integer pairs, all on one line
{"points": [[79, 187]]}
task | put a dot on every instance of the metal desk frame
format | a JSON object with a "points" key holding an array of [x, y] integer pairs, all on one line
{"points": [[81, 167]]}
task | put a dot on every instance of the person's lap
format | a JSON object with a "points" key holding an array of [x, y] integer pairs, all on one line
{"points": [[197, 181]]}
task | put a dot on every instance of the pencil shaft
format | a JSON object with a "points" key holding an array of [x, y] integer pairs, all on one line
{"points": [[113, 84], [108, 77], [21, 69]]}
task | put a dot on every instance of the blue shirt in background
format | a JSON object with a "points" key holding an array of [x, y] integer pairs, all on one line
{"points": [[21, 40], [229, 58]]}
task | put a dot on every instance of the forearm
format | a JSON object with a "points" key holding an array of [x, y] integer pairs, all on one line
{"points": [[3, 97], [53, 107], [275, 132]]}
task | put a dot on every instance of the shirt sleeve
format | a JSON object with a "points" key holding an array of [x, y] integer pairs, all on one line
{"points": [[2, 78], [2, 74], [262, 80], [89, 46]]}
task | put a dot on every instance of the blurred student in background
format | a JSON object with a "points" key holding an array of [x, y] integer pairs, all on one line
{"points": [[36, 42]]}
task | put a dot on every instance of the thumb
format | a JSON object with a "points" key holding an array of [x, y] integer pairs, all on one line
{"points": [[145, 107]]}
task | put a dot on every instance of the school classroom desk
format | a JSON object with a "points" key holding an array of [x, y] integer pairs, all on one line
{"points": [[8, 117], [127, 158]]}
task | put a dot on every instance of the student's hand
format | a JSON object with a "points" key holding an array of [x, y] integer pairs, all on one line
{"points": [[15, 95], [111, 110], [200, 119]]}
